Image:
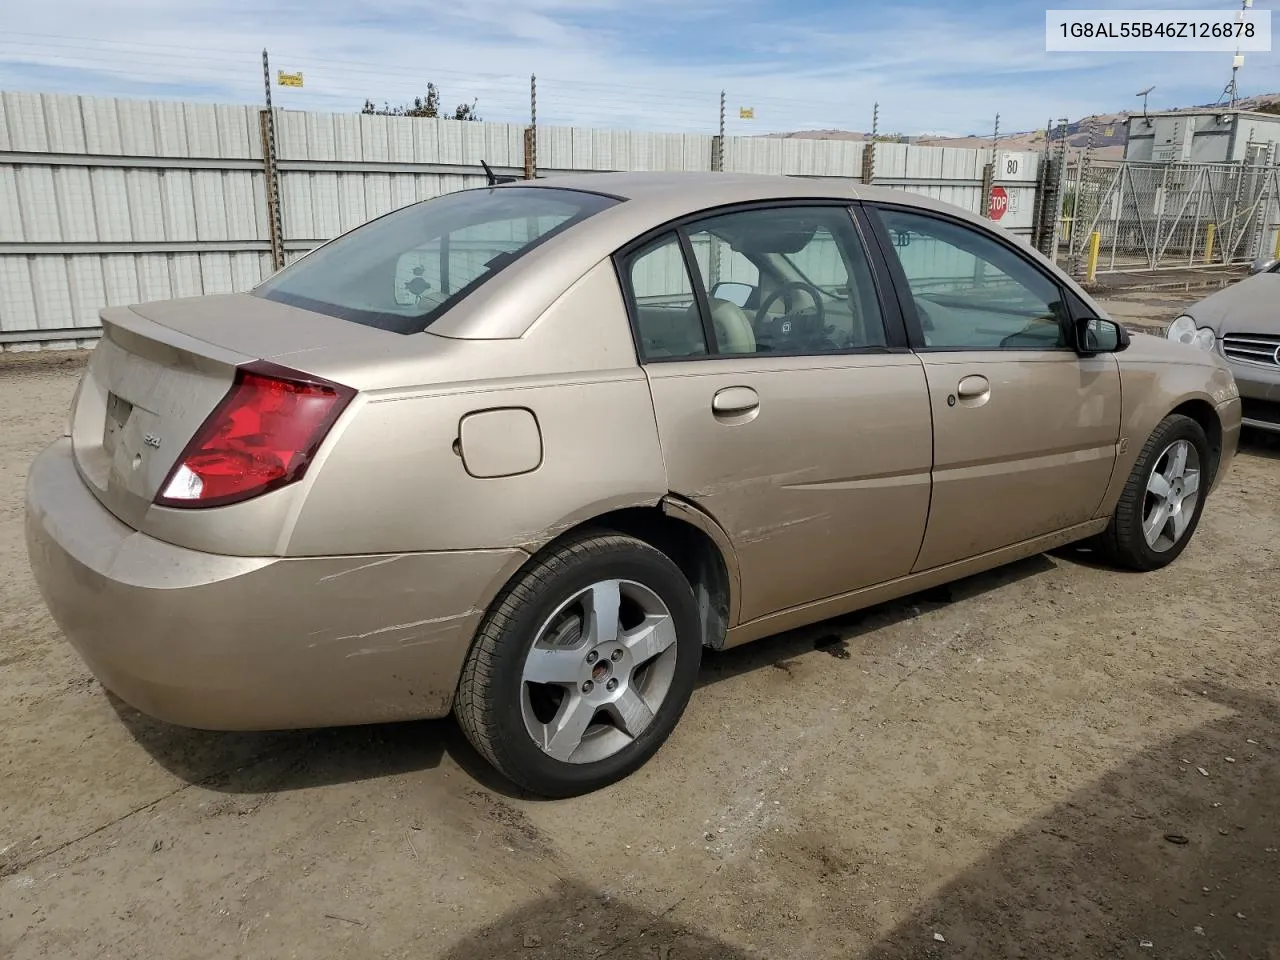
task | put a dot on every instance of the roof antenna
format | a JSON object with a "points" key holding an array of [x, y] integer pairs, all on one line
{"points": [[493, 178]]}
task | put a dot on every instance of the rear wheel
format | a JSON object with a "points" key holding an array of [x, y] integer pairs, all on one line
{"points": [[583, 666], [1160, 507]]}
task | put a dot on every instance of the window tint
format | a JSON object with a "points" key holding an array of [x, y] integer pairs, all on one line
{"points": [[787, 280], [401, 271], [663, 300], [971, 291]]}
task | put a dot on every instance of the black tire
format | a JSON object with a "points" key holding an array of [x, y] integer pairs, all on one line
{"points": [[1123, 543], [488, 700]]}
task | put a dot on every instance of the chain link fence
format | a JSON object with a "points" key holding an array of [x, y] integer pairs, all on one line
{"points": [[1123, 216]]}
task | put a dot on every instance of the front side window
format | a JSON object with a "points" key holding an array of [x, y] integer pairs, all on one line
{"points": [[787, 280], [972, 292], [402, 271]]}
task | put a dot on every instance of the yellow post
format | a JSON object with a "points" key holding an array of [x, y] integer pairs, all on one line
{"points": [[1277, 253], [1209, 233], [1095, 242]]}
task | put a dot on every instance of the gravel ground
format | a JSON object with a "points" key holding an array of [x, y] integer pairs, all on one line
{"points": [[1050, 760]]}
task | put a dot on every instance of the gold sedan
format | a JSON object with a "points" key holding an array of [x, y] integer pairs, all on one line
{"points": [[522, 452]]}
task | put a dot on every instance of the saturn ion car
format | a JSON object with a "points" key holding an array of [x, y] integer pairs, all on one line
{"points": [[522, 452]]}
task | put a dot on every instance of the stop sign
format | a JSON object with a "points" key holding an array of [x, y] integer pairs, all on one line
{"points": [[999, 203]]}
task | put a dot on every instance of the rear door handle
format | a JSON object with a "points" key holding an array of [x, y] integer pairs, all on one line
{"points": [[972, 387], [734, 401]]}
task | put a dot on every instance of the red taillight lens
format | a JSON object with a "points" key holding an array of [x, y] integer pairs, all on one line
{"points": [[261, 436]]}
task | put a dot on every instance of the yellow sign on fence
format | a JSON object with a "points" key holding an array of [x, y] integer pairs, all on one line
{"points": [[289, 79], [746, 113]]}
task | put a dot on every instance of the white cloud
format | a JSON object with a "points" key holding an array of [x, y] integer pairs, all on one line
{"points": [[602, 62]]}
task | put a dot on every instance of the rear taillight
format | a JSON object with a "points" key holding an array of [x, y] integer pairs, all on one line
{"points": [[261, 436]]}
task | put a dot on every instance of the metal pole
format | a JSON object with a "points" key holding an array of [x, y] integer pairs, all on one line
{"points": [[1091, 271], [1257, 243], [1161, 197], [1081, 176], [1118, 203], [995, 139], [1058, 207], [720, 142], [533, 123], [272, 173], [875, 120]]}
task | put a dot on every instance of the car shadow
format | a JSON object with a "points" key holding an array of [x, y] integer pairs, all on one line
{"points": [[1175, 854], [1260, 443], [284, 760], [276, 761], [288, 759], [1082, 555], [837, 633], [575, 922]]}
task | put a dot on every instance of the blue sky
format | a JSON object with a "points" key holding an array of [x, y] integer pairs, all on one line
{"points": [[942, 66]]}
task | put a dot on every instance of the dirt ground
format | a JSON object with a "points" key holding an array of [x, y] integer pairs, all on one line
{"points": [[1052, 760]]}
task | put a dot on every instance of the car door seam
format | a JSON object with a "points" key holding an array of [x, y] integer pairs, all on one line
{"points": [[933, 460]]}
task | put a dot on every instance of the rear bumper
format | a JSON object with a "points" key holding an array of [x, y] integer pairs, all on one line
{"points": [[253, 643]]}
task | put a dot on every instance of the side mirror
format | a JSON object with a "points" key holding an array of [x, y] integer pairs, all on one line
{"points": [[1094, 335], [1263, 266], [736, 293]]}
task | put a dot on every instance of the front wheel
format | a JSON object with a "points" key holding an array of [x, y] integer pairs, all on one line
{"points": [[1160, 506], [583, 665]]}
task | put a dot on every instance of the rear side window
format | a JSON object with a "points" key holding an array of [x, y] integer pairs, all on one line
{"points": [[402, 271], [665, 306]]}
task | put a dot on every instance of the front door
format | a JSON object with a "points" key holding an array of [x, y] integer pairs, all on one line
{"points": [[787, 413], [1025, 430]]}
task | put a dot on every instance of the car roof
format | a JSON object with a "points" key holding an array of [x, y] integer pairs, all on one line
{"points": [[692, 185], [692, 191]]}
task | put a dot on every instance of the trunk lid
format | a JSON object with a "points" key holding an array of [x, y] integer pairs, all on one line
{"points": [[159, 371]]}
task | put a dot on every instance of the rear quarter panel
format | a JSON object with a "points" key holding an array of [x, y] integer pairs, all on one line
{"points": [[394, 479], [1156, 377]]}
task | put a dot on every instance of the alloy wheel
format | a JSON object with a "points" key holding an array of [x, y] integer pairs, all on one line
{"points": [[598, 671]]}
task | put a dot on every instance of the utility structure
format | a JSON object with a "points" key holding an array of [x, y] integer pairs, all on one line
{"points": [[1231, 92]]}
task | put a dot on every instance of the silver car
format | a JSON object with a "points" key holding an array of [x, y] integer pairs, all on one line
{"points": [[1242, 323]]}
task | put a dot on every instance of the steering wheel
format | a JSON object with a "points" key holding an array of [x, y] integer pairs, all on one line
{"points": [[784, 292]]}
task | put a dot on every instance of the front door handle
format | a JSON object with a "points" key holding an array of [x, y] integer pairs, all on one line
{"points": [[734, 401], [972, 387]]}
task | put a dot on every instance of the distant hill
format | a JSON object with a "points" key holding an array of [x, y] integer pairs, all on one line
{"points": [[1109, 132]]}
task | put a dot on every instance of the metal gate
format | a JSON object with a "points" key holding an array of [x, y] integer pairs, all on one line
{"points": [[1156, 216]]}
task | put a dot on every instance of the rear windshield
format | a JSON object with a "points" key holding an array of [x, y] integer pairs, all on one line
{"points": [[402, 271]]}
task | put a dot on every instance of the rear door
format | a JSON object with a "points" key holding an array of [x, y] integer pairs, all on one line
{"points": [[1025, 430], [801, 425]]}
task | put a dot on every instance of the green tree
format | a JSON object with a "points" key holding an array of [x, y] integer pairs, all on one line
{"points": [[428, 106]]}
